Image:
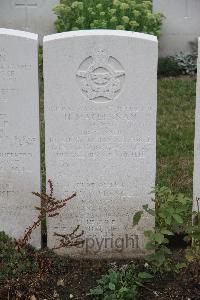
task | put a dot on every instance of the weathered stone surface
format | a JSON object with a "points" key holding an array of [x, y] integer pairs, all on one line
{"points": [[19, 132], [100, 114], [180, 26], [196, 178], [28, 15]]}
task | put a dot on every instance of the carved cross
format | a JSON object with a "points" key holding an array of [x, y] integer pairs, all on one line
{"points": [[26, 5]]}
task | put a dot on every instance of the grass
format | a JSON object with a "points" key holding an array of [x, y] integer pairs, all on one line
{"points": [[175, 133]]}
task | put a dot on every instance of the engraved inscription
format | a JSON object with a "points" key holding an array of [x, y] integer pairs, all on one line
{"points": [[101, 77], [3, 125], [6, 93], [26, 5]]}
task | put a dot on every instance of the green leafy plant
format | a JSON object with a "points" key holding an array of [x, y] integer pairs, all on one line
{"points": [[173, 211], [133, 15], [181, 63], [172, 214], [186, 62], [12, 262], [121, 284]]}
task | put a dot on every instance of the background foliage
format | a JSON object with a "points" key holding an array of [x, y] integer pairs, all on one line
{"points": [[132, 15]]}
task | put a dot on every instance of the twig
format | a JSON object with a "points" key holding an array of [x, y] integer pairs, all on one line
{"points": [[67, 240], [50, 208]]}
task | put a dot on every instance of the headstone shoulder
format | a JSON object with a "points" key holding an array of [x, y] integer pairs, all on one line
{"points": [[18, 33], [99, 32]]}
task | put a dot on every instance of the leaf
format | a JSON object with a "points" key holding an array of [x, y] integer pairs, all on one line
{"points": [[160, 257], [150, 245], [157, 257], [180, 266], [169, 210], [111, 286], [145, 275], [123, 290], [113, 276], [181, 199], [149, 210], [159, 237], [165, 250], [166, 232], [96, 291], [149, 234], [178, 219], [168, 220], [136, 218]]}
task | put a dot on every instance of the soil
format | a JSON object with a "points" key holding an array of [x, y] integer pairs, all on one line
{"points": [[65, 279]]}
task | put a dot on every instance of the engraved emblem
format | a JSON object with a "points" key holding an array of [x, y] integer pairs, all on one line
{"points": [[101, 77]]}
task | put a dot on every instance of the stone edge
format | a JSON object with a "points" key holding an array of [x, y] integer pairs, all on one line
{"points": [[99, 32], [18, 33]]}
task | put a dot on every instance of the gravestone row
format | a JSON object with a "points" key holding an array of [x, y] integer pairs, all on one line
{"points": [[100, 118]]}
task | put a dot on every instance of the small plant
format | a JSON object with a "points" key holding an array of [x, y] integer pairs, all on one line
{"points": [[12, 262], [167, 66], [172, 214], [173, 211], [51, 208], [132, 15], [16, 258], [122, 284], [187, 63], [181, 63]]}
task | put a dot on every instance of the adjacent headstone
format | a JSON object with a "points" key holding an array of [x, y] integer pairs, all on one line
{"points": [[19, 132], [196, 178], [100, 115], [181, 25], [29, 15]]}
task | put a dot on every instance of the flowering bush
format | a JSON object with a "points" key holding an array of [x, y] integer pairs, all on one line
{"points": [[132, 15]]}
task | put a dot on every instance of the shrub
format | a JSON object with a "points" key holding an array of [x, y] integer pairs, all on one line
{"points": [[132, 15]]}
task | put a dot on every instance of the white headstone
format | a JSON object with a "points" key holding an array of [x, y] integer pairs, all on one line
{"points": [[28, 15], [19, 132], [100, 114], [196, 179], [180, 26]]}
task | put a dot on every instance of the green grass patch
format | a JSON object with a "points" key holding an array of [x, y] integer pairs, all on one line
{"points": [[175, 133]]}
